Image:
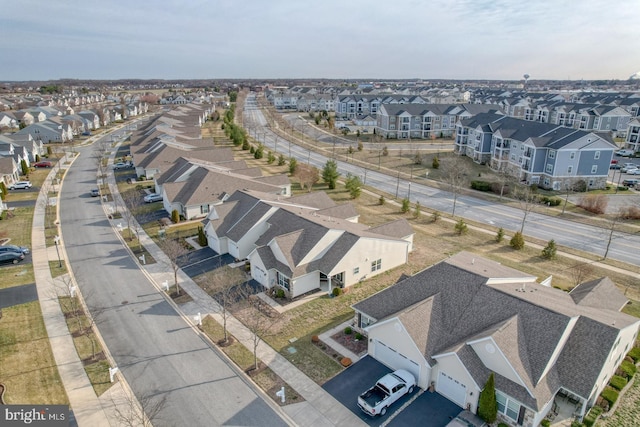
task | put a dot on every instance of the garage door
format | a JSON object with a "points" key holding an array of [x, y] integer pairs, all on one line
{"points": [[396, 360], [452, 389]]}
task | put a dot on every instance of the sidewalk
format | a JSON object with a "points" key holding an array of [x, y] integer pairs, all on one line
{"points": [[88, 409], [319, 408]]}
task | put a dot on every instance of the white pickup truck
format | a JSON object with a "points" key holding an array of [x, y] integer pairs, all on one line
{"points": [[387, 390]]}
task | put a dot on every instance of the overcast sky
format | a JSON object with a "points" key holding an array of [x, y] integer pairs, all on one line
{"points": [[394, 39]]}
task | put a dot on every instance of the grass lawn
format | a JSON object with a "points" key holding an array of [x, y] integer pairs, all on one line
{"points": [[16, 275], [628, 411], [266, 379], [27, 367], [86, 344], [56, 269], [18, 227], [135, 246]]}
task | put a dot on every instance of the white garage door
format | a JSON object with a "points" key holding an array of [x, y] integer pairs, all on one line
{"points": [[396, 360], [452, 389]]}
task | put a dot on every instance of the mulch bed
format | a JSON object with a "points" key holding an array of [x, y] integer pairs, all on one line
{"points": [[98, 357], [348, 341]]}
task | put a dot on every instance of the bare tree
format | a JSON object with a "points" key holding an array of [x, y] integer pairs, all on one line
{"points": [[259, 319], [307, 175], [455, 173], [223, 284], [580, 273], [612, 223], [132, 201], [99, 154], [527, 199], [175, 252], [139, 412]]}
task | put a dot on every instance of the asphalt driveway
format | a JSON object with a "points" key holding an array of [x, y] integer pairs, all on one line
{"points": [[202, 261], [349, 384], [428, 409]]}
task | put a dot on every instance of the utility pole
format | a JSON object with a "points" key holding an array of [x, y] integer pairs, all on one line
{"points": [[398, 184]]}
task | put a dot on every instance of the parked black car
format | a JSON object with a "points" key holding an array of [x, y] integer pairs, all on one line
{"points": [[9, 256]]}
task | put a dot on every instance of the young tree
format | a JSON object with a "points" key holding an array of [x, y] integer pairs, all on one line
{"points": [[487, 403], [139, 412], [202, 237], [406, 205], [307, 175], [175, 252], [461, 227], [549, 251], [293, 165], [223, 285], [500, 235], [527, 199], [382, 201], [612, 224], [132, 200], [24, 168], [416, 210], [330, 174], [580, 273], [455, 171], [281, 160], [353, 185], [517, 241], [435, 163]]}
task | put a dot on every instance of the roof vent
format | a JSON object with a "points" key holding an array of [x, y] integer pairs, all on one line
{"points": [[473, 261]]}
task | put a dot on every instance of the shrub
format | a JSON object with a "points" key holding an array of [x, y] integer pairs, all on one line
{"points": [[293, 165], [590, 419], [500, 235], [271, 157], [610, 395], [416, 211], [435, 163], [487, 403], [634, 354], [549, 251], [245, 145], [551, 201], [281, 160], [618, 382], [603, 404], [517, 241], [252, 150], [348, 330], [594, 203], [503, 425], [461, 227], [580, 186], [405, 205], [202, 237], [359, 336], [385, 151], [382, 200], [360, 146], [280, 293], [630, 212], [336, 292], [345, 361], [545, 423], [259, 153], [628, 368], [49, 151], [435, 216], [175, 216], [3, 190], [481, 185]]}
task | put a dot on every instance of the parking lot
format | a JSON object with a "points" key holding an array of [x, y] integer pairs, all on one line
{"points": [[427, 409]]}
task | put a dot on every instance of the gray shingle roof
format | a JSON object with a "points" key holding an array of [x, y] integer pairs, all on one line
{"points": [[599, 293]]}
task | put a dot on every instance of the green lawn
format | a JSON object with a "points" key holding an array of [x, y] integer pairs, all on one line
{"points": [[27, 366], [18, 226]]}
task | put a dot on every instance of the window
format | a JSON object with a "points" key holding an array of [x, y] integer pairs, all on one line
{"points": [[356, 270], [572, 156], [552, 154], [549, 168], [365, 321], [570, 169], [508, 406], [204, 209], [594, 169], [597, 155], [283, 280], [376, 265]]}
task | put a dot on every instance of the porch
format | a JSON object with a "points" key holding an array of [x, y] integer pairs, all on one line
{"points": [[565, 409], [327, 284]]}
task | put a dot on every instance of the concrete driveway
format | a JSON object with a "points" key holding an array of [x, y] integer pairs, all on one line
{"points": [[348, 385]]}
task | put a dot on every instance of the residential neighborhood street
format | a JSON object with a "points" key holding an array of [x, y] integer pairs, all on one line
{"points": [[154, 347]]}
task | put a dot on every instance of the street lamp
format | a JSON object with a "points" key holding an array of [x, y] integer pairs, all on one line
{"points": [[56, 241]]}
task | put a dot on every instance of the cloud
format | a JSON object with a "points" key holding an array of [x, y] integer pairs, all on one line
{"points": [[499, 39]]}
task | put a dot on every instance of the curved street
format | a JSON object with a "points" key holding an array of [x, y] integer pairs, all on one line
{"points": [[155, 348], [624, 246]]}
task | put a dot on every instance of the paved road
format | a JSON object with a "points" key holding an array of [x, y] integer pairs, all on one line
{"points": [[624, 247], [155, 349]]}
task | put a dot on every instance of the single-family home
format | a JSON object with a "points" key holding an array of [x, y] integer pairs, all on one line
{"points": [[307, 243], [455, 323]]}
